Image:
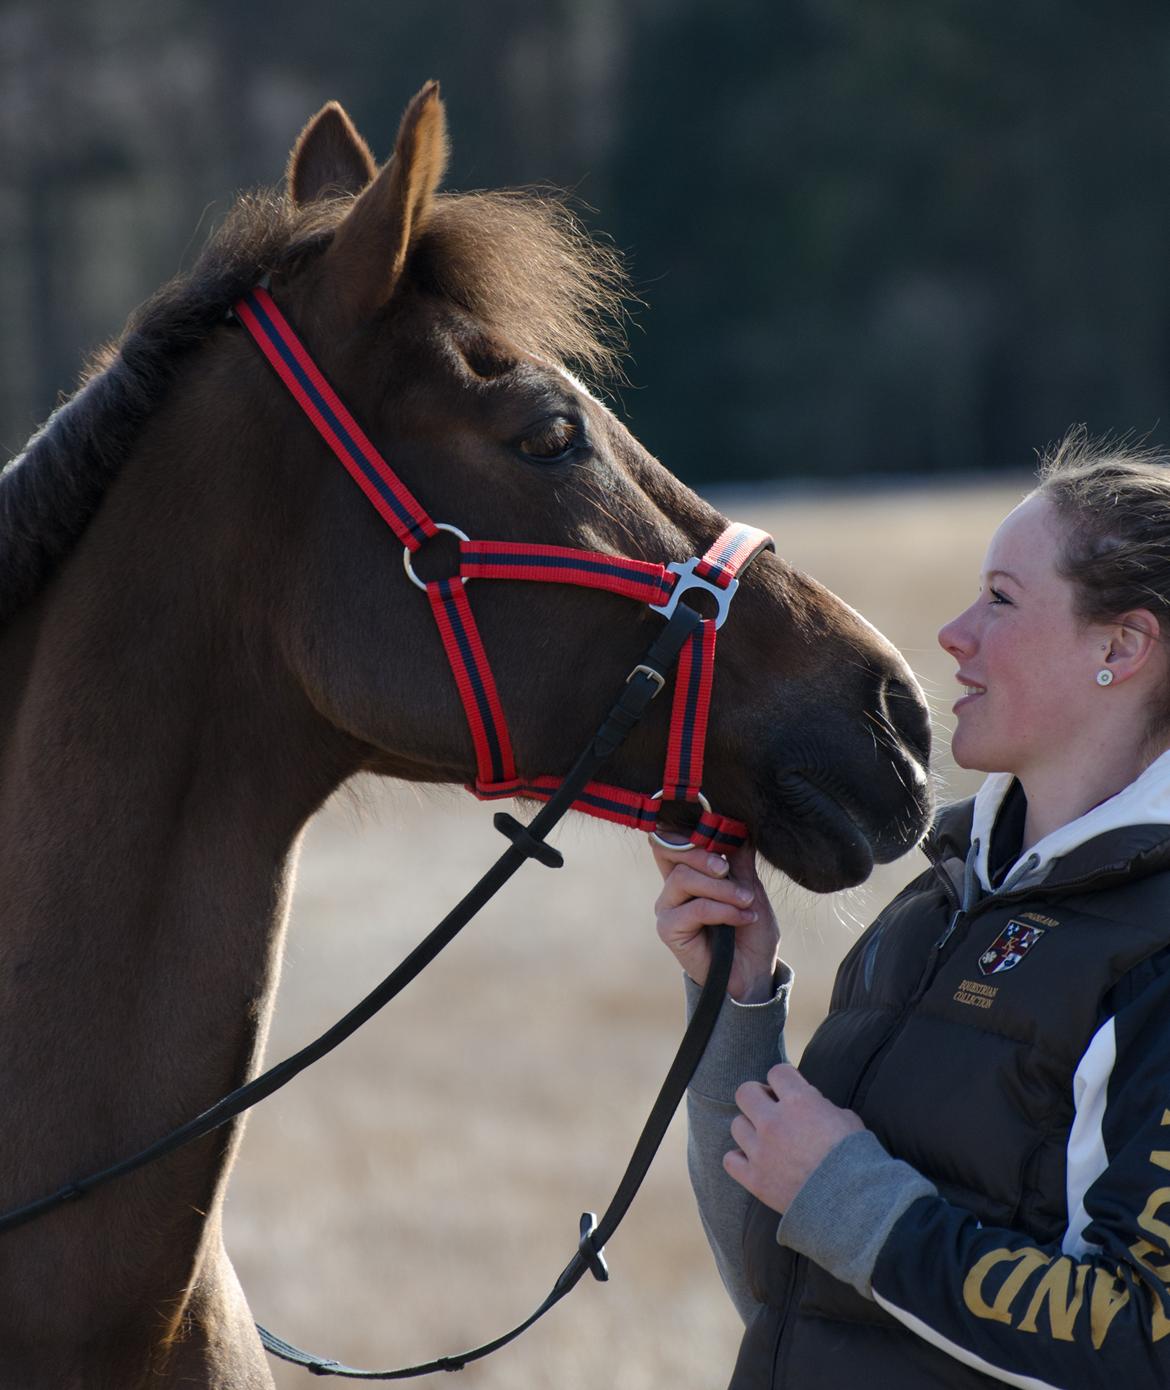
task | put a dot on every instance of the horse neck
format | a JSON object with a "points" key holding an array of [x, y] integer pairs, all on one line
{"points": [[154, 779]]}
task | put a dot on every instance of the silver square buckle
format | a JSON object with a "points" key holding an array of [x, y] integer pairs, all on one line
{"points": [[688, 579]]}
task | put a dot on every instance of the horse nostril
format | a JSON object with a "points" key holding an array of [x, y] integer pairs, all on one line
{"points": [[906, 711]]}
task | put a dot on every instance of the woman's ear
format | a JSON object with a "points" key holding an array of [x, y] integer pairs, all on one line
{"points": [[1130, 643]]}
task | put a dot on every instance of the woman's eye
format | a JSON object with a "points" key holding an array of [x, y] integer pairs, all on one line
{"points": [[552, 440], [997, 597]]}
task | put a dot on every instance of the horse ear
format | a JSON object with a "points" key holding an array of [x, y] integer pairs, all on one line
{"points": [[329, 158], [370, 246]]}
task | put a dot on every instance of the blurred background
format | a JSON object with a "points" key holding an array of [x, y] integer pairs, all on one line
{"points": [[883, 254], [920, 236]]}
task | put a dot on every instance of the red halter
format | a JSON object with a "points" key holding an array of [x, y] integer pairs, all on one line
{"points": [[659, 586]]}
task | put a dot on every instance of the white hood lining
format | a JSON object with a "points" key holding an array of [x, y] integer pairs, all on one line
{"points": [[1146, 801]]}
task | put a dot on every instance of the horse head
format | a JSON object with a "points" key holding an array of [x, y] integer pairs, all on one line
{"points": [[448, 324]]}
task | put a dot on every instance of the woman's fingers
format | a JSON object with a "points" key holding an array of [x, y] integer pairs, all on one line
{"points": [[682, 919], [686, 881], [784, 1131], [701, 890], [695, 913], [757, 1101], [686, 853], [744, 1134]]}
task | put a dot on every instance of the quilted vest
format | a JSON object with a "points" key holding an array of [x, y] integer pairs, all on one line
{"points": [[955, 1036]]}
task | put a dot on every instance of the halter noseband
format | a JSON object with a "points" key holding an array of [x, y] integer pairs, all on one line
{"points": [[659, 586]]}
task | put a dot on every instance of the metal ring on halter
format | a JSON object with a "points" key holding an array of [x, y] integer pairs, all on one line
{"points": [[410, 574], [666, 844], [688, 579]]}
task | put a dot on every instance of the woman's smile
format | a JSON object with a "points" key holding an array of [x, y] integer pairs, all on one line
{"points": [[972, 691]]}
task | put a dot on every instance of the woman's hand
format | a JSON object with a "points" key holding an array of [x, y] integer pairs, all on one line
{"points": [[783, 1130], [702, 890]]}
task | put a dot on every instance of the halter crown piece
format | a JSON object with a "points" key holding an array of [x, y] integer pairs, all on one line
{"points": [[659, 586]]}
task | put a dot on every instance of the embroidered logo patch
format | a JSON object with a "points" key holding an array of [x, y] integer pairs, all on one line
{"points": [[1009, 948]]}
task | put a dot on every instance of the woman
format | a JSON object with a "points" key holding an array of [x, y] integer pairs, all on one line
{"points": [[968, 1181]]}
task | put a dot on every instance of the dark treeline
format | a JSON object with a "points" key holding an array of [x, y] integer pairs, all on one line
{"points": [[917, 235]]}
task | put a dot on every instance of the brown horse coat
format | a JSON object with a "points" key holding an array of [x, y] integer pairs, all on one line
{"points": [[204, 631]]}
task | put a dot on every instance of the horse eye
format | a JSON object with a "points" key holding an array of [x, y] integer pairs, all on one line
{"points": [[552, 441]]}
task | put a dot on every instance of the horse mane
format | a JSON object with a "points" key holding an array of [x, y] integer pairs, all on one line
{"points": [[519, 261]]}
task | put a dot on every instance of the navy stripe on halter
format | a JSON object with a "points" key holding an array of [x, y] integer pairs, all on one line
{"points": [[716, 836], [276, 338], [727, 553], [473, 674], [560, 562], [645, 818], [687, 732]]}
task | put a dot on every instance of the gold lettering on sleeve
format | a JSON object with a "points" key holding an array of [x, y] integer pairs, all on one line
{"points": [[1060, 1291], [1063, 1306], [1149, 1222], [1109, 1296], [1027, 1262], [1159, 1322], [1141, 1250]]}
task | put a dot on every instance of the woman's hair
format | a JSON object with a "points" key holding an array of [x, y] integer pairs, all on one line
{"points": [[1113, 500]]}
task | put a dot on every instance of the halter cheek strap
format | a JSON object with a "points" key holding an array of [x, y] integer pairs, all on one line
{"points": [[659, 586]]}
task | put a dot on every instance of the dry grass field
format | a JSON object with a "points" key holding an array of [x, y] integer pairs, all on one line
{"points": [[419, 1190]]}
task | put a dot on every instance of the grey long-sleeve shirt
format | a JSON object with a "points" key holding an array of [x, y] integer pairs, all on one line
{"points": [[747, 1042], [846, 1208]]}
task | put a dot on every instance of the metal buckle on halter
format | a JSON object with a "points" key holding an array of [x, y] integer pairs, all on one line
{"points": [[688, 579], [671, 844], [410, 574], [656, 676]]}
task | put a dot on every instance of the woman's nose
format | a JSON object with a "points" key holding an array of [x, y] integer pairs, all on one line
{"points": [[955, 637]]}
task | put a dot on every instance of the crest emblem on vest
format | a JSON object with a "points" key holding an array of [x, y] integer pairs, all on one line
{"points": [[1009, 948]]}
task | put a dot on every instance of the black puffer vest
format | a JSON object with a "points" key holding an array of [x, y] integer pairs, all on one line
{"points": [[965, 1074]]}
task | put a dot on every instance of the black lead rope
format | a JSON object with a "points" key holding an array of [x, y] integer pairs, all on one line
{"points": [[527, 842], [595, 1234]]}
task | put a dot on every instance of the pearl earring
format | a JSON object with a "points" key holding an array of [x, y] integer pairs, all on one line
{"points": [[1104, 676]]}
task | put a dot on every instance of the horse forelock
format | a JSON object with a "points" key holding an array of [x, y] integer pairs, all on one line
{"points": [[519, 262]]}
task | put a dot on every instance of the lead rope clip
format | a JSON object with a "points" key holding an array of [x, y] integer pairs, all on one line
{"points": [[592, 1256], [526, 842]]}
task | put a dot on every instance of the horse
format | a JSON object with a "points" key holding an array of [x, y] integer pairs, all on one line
{"points": [[205, 631]]}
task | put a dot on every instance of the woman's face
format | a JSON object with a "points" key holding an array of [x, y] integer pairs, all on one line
{"points": [[1027, 663]]}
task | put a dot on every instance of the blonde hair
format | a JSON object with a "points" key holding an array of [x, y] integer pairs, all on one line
{"points": [[1113, 501]]}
